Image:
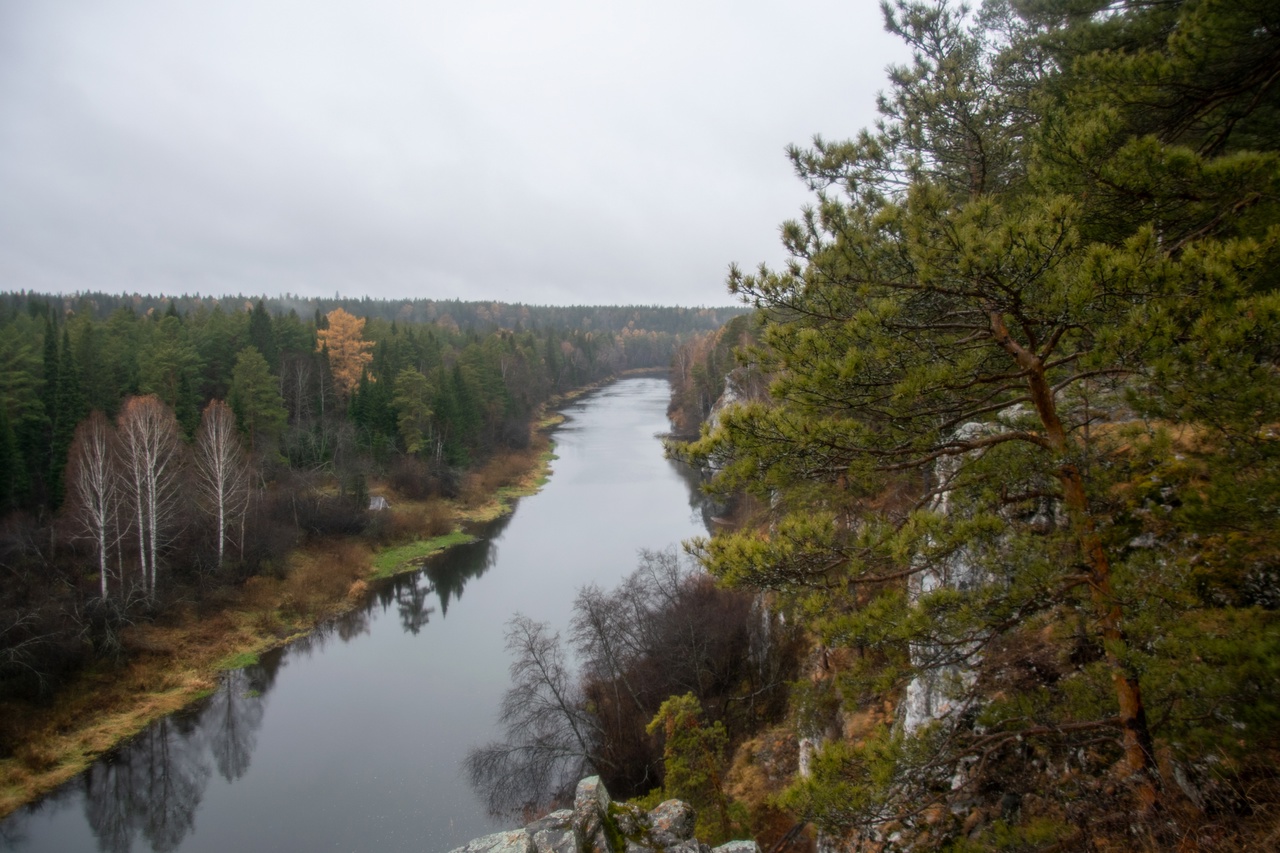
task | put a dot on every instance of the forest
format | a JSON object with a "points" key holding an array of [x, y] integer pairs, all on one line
{"points": [[156, 453]]}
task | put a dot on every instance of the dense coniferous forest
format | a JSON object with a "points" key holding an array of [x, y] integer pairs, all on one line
{"points": [[154, 450]]}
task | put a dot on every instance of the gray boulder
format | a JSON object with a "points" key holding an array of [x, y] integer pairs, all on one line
{"points": [[596, 824], [556, 833], [511, 841], [689, 845], [591, 814], [737, 847], [672, 822]]}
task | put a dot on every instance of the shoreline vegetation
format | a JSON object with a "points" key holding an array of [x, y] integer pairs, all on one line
{"points": [[179, 658]]}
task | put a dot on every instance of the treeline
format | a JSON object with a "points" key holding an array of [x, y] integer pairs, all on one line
{"points": [[153, 456], [481, 316]]}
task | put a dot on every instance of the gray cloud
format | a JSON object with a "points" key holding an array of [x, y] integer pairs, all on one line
{"points": [[563, 151]]}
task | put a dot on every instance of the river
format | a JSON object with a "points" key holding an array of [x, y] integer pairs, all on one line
{"points": [[353, 739]]}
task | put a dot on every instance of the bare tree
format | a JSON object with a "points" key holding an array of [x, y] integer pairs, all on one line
{"points": [[222, 472], [665, 631], [150, 455], [296, 386], [93, 484], [551, 740]]}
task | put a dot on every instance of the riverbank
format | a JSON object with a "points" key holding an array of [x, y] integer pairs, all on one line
{"points": [[178, 658]]}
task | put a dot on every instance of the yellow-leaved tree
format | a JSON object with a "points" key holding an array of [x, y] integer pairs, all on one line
{"points": [[348, 351]]}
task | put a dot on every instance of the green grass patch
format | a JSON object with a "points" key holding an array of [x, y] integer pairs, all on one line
{"points": [[239, 661], [403, 558]]}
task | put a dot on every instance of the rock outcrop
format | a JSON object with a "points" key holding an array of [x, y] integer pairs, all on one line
{"points": [[596, 824]]}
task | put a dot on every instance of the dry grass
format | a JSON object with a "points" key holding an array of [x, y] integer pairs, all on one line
{"points": [[425, 519], [762, 767], [507, 470], [488, 492]]}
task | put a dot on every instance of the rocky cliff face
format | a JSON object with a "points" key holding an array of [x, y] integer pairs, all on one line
{"points": [[596, 824]]}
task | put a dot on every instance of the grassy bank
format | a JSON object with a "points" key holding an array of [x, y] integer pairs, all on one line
{"points": [[177, 659]]}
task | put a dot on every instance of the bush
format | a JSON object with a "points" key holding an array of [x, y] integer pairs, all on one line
{"points": [[417, 479], [325, 515]]}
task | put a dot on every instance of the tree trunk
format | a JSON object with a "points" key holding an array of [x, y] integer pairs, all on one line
{"points": [[1138, 749]]}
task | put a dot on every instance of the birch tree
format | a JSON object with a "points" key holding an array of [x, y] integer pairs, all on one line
{"points": [[94, 486], [222, 472], [150, 456]]}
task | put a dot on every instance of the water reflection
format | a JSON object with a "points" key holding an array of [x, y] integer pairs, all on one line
{"points": [[444, 575], [235, 712], [706, 509], [451, 571], [150, 787]]}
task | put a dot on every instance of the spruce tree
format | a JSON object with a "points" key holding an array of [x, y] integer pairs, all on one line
{"points": [[68, 410], [262, 335], [255, 399]]}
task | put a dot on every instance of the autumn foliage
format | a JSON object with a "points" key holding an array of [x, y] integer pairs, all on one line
{"points": [[349, 352]]}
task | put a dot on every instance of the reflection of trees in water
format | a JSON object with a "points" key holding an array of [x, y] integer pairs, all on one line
{"points": [[450, 572], [346, 627], [411, 595], [110, 801], [233, 717], [449, 576], [153, 784], [706, 507], [444, 575], [13, 829], [352, 625], [175, 777]]}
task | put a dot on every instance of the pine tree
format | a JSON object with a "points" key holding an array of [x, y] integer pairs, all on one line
{"points": [[987, 288], [169, 367], [693, 762]]}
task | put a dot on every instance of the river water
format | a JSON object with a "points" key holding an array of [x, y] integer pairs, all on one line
{"points": [[353, 740]]}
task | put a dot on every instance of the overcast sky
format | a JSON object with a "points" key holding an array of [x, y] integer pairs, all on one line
{"points": [[562, 151]]}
